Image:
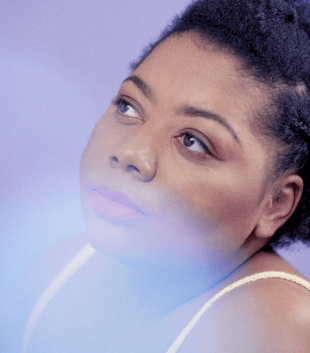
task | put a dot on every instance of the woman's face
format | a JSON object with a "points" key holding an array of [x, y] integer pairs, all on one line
{"points": [[173, 172]]}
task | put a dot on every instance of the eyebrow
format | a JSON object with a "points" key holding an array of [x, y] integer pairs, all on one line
{"points": [[143, 87], [195, 112], [189, 111]]}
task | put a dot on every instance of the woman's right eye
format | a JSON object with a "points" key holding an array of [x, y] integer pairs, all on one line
{"points": [[125, 108]]}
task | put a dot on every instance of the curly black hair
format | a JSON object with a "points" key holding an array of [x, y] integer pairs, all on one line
{"points": [[272, 39]]}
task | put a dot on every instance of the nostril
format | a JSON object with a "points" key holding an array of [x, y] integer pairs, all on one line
{"points": [[113, 162], [131, 168], [143, 175], [144, 171]]}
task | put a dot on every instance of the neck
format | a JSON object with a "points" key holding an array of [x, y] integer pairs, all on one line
{"points": [[163, 290]]}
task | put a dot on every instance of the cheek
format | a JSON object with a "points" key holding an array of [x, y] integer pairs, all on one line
{"points": [[236, 205], [229, 203], [237, 209], [95, 155]]}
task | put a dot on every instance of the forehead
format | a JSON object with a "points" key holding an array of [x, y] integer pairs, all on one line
{"points": [[181, 68]]}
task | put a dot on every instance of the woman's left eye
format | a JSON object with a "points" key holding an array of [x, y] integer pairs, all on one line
{"points": [[125, 108], [193, 143]]}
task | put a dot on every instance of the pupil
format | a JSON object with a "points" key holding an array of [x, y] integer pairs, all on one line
{"points": [[123, 107], [188, 140]]}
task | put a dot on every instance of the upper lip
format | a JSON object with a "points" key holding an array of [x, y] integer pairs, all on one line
{"points": [[116, 196]]}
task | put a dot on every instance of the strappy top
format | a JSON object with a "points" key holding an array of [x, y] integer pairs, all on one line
{"points": [[87, 252]]}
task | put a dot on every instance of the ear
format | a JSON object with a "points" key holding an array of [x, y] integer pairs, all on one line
{"points": [[279, 207]]}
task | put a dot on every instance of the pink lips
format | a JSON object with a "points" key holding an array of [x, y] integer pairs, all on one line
{"points": [[114, 205]]}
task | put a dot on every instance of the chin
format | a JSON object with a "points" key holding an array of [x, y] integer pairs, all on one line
{"points": [[138, 246]]}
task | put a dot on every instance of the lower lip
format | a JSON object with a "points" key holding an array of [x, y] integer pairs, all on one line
{"points": [[113, 209]]}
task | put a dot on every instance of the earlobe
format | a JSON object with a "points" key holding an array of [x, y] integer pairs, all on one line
{"points": [[280, 205]]}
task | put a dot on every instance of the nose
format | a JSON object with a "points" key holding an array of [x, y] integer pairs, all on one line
{"points": [[135, 155]]}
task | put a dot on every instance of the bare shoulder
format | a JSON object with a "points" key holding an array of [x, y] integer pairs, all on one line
{"points": [[72, 254], [22, 295], [267, 315], [271, 314]]}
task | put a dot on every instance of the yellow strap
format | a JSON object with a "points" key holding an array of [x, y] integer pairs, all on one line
{"points": [[262, 275], [58, 282]]}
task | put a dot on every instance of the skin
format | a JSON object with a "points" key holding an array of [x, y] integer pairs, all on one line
{"points": [[202, 182]]}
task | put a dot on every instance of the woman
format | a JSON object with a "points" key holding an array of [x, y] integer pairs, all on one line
{"points": [[197, 170]]}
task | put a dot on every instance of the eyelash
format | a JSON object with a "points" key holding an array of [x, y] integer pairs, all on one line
{"points": [[202, 144], [117, 102]]}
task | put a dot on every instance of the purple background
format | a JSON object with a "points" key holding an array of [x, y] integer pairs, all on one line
{"points": [[61, 63]]}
